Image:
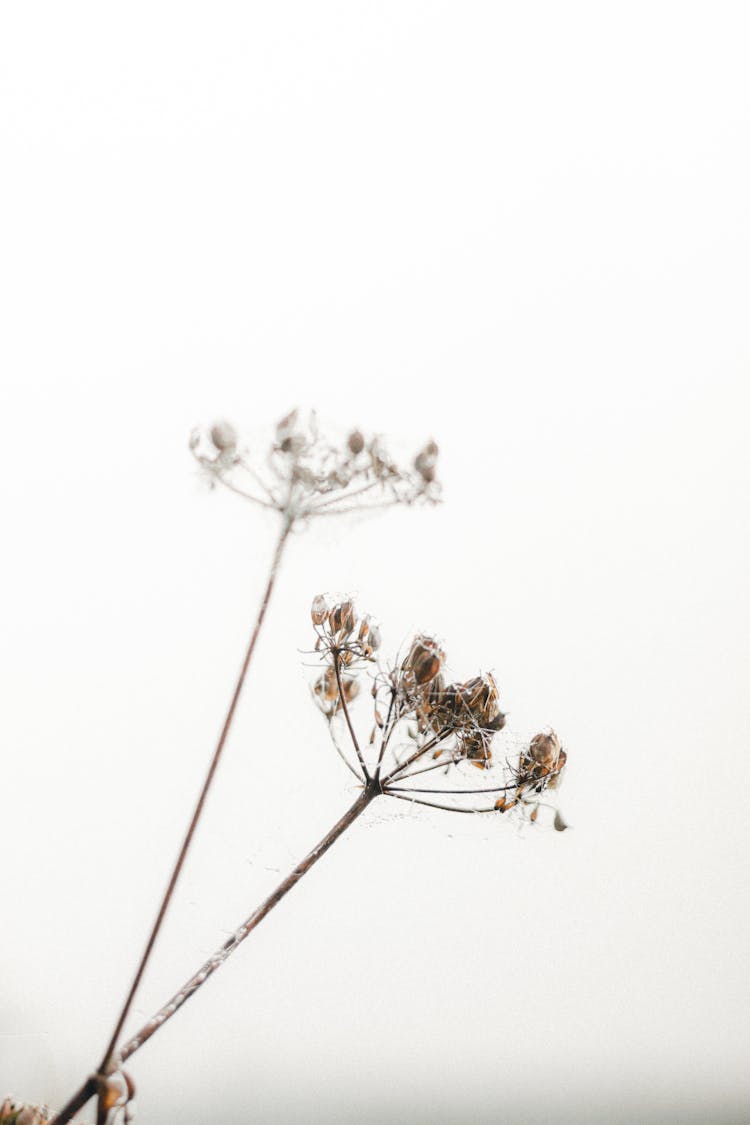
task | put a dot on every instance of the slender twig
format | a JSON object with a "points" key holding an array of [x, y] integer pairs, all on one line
{"points": [[456, 792], [281, 542], [434, 805], [345, 709], [385, 736], [342, 755], [220, 956], [443, 764], [347, 496], [417, 754], [241, 492]]}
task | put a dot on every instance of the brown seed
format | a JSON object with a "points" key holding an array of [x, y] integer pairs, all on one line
{"points": [[424, 659], [545, 749], [355, 442]]}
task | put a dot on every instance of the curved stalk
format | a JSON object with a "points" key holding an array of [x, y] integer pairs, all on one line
{"points": [[286, 528], [220, 956]]}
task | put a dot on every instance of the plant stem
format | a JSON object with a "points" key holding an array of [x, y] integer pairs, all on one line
{"points": [[89, 1088], [86, 1092], [220, 956], [281, 542]]}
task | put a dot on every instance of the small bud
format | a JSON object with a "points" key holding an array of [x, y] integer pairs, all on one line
{"points": [[355, 442], [224, 437], [318, 610], [560, 825]]}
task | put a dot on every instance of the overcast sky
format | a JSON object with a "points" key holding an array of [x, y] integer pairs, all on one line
{"points": [[521, 229]]}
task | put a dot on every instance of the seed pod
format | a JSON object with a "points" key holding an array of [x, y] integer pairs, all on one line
{"points": [[368, 635], [224, 437], [342, 618], [545, 750], [559, 823], [424, 659], [425, 461], [319, 609], [355, 442]]}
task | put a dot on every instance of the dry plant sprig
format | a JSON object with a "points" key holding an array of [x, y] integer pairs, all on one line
{"points": [[15, 1113], [301, 475], [417, 718]]}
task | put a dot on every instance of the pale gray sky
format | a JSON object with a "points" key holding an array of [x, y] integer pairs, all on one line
{"points": [[521, 229]]}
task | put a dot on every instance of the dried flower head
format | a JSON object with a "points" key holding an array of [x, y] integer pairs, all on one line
{"points": [[421, 725], [303, 474], [16, 1113], [340, 630]]}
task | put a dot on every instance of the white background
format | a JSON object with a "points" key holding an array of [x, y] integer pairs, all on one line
{"points": [[521, 229]]}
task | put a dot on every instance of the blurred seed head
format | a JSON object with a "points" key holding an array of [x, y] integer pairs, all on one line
{"points": [[356, 442], [16, 1113], [305, 474]]}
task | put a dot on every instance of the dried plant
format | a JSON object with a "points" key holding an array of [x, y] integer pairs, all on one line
{"points": [[422, 722], [301, 474], [420, 725], [14, 1113]]}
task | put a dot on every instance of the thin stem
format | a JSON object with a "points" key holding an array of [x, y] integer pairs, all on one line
{"points": [[344, 496], [417, 754], [457, 792], [220, 956], [345, 709], [443, 764], [241, 492], [386, 732], [281, 542], [89, 1088], [342, 755], [434, 805]]}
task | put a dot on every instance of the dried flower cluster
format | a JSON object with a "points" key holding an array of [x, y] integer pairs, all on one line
{"points": [[16, 1113], [305, 474], [423, 724]]}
